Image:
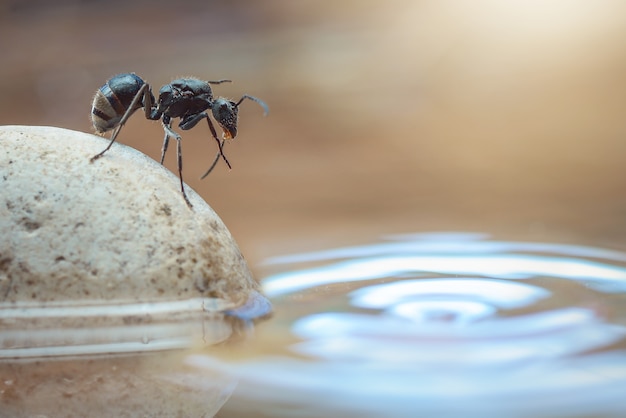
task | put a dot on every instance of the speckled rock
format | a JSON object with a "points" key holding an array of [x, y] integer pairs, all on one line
{"points": [[108, 281], [114, 229]]}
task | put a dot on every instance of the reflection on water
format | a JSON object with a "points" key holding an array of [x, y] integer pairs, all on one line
{"points": [[440, 325]]}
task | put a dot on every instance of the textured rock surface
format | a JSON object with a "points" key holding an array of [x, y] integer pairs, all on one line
{"points": [[108, 280], [114, 229]]}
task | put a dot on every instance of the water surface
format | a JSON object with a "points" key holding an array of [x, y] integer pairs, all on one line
{"points": [[445, 324]]}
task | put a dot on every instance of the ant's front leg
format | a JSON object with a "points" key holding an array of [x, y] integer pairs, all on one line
{"points": [[213, 164], [190, 121]]}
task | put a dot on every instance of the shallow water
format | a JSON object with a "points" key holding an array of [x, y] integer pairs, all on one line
{"points": [[447, 324]]}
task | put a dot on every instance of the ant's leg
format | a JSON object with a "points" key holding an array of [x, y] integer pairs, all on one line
{"points": [[166, 123], [168, 129], [219, 143], [143, 92], [215, 160], [113, 136], [179, 152], [189, 122], [166, 141], [147, 102], [220, 81]]}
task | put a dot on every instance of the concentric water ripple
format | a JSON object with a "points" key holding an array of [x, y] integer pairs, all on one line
{"points": [[444, 325]]}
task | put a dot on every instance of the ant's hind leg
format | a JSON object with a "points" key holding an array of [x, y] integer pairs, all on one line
{"points": [[144, 92], [113, 136]]}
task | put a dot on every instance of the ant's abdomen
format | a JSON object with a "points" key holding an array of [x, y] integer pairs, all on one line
{"points": [[113, 99]]}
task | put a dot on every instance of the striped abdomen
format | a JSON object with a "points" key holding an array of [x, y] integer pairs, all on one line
{"points": [[113, 99]]}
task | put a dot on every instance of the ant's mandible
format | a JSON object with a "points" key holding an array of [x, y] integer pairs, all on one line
{"points": [[184, 98]]}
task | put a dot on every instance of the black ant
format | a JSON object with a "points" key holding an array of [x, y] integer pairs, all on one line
{"points": [[184, 98]]}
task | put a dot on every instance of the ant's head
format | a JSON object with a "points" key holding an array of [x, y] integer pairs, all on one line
{"points": [[225, 113]]}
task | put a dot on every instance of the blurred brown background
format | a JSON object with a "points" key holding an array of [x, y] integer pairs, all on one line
{"points": [[395, 116]]}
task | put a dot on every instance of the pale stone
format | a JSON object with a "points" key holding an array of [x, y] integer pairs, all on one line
{"points": [[114, 229], [109, 281]]}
